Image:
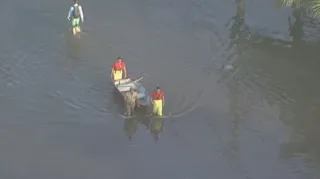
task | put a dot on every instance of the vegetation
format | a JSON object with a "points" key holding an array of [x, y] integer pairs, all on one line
{"points": [[313, 5]]}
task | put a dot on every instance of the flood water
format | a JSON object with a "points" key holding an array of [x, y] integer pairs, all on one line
{"points": [[240, 84]]}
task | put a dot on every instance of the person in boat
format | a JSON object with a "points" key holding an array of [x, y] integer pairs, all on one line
{"points": [[157, 100], [75, 14], [131, 101], [118, 69]]}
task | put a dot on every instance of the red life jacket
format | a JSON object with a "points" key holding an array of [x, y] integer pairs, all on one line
{"points": [[118, 66], [157, 95]]}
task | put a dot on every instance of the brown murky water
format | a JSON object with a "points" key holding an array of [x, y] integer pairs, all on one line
{"points": [[242, 90]]}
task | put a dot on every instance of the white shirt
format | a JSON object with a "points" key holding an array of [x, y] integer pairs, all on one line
{"points": [[71, 11]]}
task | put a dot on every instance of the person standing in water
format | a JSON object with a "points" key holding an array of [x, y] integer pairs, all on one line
{"points": [[157, 100], [75, 13], [131, 100]]}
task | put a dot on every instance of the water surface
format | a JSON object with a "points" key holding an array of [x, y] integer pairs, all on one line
{"points": [[241, 86]]}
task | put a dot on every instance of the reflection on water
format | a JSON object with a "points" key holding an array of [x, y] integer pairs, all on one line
{"points": [[154, 125], [296, 26], [156, 128], [304, 143], [238, 34], [130, 127], [291, 87], [73, 47]]}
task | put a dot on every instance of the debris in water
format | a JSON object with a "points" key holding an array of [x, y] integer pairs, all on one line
{"points": [[229, 67]]}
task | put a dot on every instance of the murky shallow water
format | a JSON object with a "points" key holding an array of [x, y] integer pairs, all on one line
{"points": [[244, 100]]}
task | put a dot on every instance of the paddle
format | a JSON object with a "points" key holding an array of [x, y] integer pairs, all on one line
{"points": [[137, 80]]}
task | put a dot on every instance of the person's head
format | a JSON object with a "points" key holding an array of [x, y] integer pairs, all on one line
{"points": [[75, 1], [157, 89], [119, 59]]}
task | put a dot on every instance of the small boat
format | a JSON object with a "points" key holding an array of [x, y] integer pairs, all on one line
{"points": [[124, 85]]}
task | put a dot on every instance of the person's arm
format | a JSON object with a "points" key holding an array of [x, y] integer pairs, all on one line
{"points": [[162, 100], [125, 71], [151, 101], [112, 70], [69, 13], [111, 75], [81, 13]]}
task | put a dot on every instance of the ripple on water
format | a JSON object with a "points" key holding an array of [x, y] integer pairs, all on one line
{"points": [[251, 74]]}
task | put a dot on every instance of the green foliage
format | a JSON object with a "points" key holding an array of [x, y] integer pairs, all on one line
{"points": [[287, 3], [314, 5]]}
